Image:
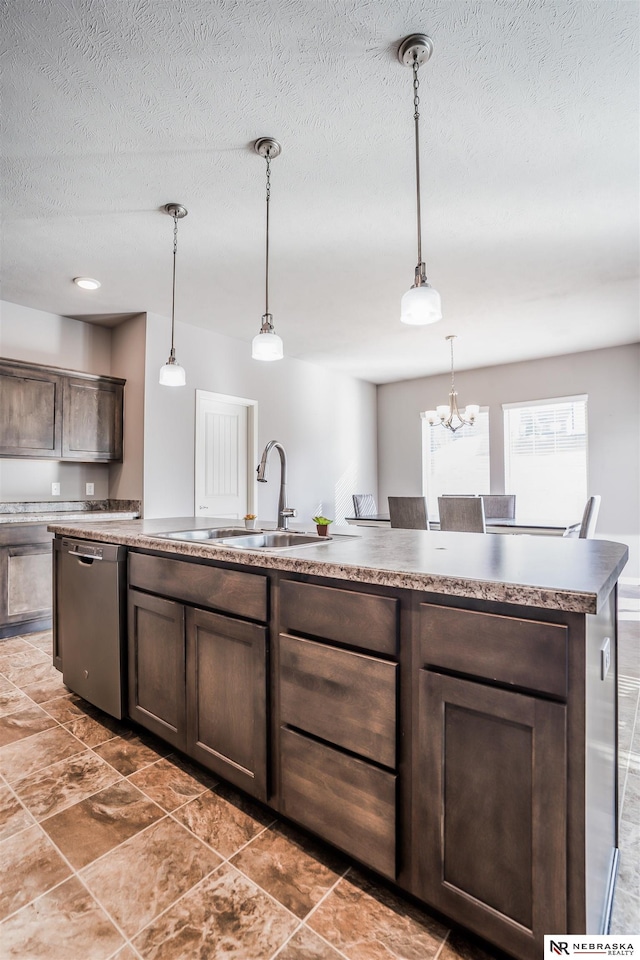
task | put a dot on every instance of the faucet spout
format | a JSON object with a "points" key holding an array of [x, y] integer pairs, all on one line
{"points": [[284, 511]]}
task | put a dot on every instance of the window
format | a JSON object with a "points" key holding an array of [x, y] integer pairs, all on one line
{"points": [[455, 462], [545, 458]]}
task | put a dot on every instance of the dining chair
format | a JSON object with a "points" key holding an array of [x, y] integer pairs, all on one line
{"points": [[409, 513], [590, 517], [499, 506], [364, 505], [463, 514]]}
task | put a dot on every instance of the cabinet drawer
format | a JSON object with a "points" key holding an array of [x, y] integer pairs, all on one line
{"points": [[233, 591], [346, 616], [345, 801], [525, 653], [346, 698]]}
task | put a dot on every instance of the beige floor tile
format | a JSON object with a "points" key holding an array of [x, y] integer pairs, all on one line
{"points": [[24, 757], [93, 731], [146, 874], [11, 698], [12, 663], [68, 707], [127, 753], [23, 723], [29, 865], [17, 645], [281, 865], [93, 826], [367, 922], [13, 816], [64, 783], [46, 689], [224, 819], [307, 945], [171, 782], [224, 916], [64, 924], [43, 639], [127, 953], [41, 672]]}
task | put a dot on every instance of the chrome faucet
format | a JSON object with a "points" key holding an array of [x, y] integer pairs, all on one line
{"points": [[284, 512]]}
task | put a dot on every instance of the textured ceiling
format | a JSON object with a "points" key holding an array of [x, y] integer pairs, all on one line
{"points": [[112, 108]]}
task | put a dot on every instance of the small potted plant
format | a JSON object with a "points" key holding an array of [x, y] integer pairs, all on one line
{"points": [[250, 521], [322, 525]]}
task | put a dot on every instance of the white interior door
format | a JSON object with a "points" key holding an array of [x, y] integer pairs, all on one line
{"points": [[226, 456]]}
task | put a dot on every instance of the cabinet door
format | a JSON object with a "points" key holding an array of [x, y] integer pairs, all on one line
{"points": [[25, 583], [156, 666], [92, 419], [31, 405], [489, 810], [226, 694]]}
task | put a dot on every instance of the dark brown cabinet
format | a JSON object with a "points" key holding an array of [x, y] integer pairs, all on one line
{"points": [[490, 773], [156, 648], [59, 414], [198, 678], [92, 419], [25, 578], [226, 698], [31, 405], [336, 724]]}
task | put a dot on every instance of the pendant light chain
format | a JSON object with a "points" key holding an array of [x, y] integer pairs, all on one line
{"points": [[266, 283], [173, 292], [416, 119]]}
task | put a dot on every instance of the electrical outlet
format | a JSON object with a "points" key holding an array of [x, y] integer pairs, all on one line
{"points": [[605, 658], [89, 489], [55, 489]]}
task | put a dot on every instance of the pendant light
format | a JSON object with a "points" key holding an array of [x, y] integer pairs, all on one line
{"points": [[171, 373], [448, 415], [421, 303], [267, 345]]}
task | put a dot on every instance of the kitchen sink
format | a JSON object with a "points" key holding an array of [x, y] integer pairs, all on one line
{"points": [[204, 533], [267, 541]]}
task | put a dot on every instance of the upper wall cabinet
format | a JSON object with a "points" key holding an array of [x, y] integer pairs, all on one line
{"points": [[59, 414]]}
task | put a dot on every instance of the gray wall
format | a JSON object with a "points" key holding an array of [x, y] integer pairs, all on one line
{"points": [[326, 422], [610, 378], [39, 337]]}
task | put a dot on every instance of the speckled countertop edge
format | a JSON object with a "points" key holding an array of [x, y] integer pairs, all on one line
{"points": [[305, 560]]}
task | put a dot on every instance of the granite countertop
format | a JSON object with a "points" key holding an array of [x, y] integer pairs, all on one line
{"points": [[548, 572], [47, 511]]}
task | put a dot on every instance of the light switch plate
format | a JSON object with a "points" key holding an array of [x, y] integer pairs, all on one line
{"points": [[55, 489], [605, 658], [89, 489]]}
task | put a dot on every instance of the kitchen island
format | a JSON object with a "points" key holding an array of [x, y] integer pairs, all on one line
{"points": [[440, 706]]}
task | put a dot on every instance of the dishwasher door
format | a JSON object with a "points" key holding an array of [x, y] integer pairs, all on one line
{"points": [[89, 620]]}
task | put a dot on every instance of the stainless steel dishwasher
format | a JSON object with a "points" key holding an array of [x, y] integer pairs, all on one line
{"points": [[89, 620]]}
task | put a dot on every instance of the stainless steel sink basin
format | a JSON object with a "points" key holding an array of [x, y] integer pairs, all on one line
{"points": [[271, 540], [205, 533]]}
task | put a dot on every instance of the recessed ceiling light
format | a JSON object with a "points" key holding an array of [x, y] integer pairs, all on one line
{"points": [[87, 283]]}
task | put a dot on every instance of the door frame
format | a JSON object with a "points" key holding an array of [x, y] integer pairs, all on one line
{"points": [[252, 443]]}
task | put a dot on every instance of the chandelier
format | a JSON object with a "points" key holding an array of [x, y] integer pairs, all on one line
{"points": [[448, 415]]}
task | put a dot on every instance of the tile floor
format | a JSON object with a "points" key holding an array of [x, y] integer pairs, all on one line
{"points": [[111, 847]]}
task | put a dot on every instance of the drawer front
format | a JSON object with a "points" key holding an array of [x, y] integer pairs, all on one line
{"points": [[346, 698], [345, 801], [233, 591], [346, 616], [525, 653]]}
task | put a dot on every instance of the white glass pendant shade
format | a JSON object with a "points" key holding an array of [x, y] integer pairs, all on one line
{"points": [[267, 345], [443, 411], [472, 411], [421, 305], [172, 374], [431, 416]]}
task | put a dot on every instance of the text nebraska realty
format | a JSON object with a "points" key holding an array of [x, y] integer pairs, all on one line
{"points": [[574, 948]]}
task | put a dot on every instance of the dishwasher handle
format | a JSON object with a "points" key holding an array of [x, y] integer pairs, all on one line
{"points": [[85, 551]]}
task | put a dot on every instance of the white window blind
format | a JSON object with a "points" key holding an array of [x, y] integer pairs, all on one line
{"points": [[455, 462], [546, 458]]}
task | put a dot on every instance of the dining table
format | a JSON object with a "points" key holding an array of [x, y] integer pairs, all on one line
{"points": [[494, 525]]}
